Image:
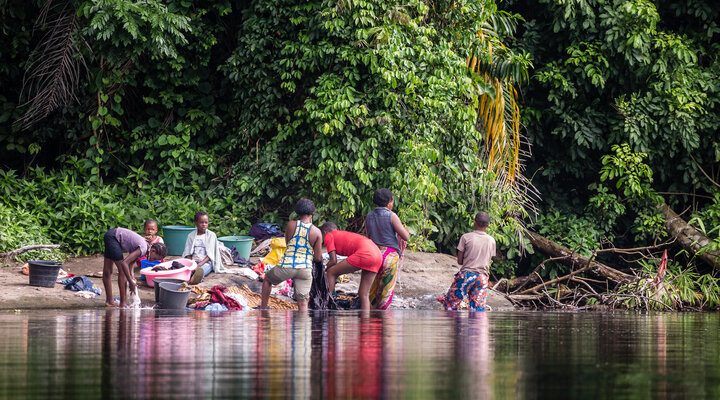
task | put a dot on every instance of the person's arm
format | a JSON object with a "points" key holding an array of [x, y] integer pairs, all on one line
{"points": [[290, 231], [127, 262], [399, 228], [316, 243], [461, 250], [330, 246], [203, 261], [333, 259]]}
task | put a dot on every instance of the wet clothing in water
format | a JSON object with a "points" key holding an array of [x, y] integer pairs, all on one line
{"points": [[467, 283], [299, 251], [320, 296], [361, 252]]}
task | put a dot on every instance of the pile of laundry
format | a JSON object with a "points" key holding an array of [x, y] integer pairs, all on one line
{"points": [[174, 265], [221, 298], [83, 285], [218, 298]]}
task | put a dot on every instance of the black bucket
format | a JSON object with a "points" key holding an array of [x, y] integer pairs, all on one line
{"points": [[157, 282], [171, 298], [43, 273]]}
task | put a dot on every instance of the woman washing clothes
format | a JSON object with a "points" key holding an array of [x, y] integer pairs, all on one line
{"points": [[362, 254]]}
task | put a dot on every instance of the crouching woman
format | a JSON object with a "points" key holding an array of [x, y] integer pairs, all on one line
{"points": [[362, 254]]}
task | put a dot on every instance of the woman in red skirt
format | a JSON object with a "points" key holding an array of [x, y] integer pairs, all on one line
{"points": [[362, 254]]}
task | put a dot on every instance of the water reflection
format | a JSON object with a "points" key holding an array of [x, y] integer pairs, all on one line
{"points": [[409, 354]]}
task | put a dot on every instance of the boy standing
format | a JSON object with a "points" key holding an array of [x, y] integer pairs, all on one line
{"points": [[474, 253]]}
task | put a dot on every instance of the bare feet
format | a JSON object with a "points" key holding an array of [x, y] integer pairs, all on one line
{"points": [[112, 303]]}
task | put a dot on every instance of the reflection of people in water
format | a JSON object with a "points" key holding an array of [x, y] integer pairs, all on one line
{"points": [[473, 368], [354, 361]]}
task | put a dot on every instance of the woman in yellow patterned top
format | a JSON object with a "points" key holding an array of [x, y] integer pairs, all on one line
{"points": [[304, 244]]}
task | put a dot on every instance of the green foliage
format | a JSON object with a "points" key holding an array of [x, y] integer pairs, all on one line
{"points": [[680, 289], [19, 228], [633, 177], [629, 89], [707, 221]]}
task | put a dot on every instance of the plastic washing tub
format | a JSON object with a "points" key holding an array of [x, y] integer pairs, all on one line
{"points": [[175, 236], [43, 273], [242, 244], [171, 298], [183, 273]]}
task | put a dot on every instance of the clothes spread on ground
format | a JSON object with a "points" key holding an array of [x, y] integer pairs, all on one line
{"points": [[217, 294], [320, 297], [263, 230], [80, 284], [225, 254], [215, 307], [276, 253], [238, 259]]}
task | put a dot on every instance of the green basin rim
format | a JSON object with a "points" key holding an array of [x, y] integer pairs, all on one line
{"points": [[237, 238]]}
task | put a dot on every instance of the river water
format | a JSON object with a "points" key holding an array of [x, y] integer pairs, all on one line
{"points": [[393, 354]]}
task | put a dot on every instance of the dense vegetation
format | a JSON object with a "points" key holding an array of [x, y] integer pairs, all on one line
{"points": [[115, 111], [162, 108]]}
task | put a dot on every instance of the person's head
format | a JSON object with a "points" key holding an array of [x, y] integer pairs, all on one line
{"points": [[304, 207], [150, 227], [327, 228], [383, 198], [482, 220], [201, 220], [157, 252]]}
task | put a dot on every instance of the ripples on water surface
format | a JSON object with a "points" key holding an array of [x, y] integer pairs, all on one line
{"points": [[393, 354]]}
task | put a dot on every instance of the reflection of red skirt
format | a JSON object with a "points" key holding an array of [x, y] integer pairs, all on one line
{"points": [[369, 259]]}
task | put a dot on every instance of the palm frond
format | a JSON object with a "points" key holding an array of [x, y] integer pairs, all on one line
{"points": [[54, 67], [499, 113]]}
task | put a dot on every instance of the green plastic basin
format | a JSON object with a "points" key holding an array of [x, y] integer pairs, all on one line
{"points": [[243, 244], [175, 237]]}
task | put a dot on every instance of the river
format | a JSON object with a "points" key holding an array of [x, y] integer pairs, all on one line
{"points": [[392, 354]]}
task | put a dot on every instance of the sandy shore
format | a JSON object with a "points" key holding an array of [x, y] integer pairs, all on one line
{"points": [[423, 278]]}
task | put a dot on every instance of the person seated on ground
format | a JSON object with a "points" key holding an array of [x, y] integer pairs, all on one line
{"points": [[474, 253], [150, 228], [202, 246], [386, 230], [304, 245], [117, 241], [362, 254]]}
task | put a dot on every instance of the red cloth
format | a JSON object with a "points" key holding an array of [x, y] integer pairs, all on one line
{"points": [[218, 296], [361, 252]]}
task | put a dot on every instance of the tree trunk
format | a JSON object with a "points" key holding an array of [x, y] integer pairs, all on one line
{"points": [[575, 260], [689, 238]]}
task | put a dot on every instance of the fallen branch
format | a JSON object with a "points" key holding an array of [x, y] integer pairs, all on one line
{"points": [[28, 248], [571, 259], [689, 238]]}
